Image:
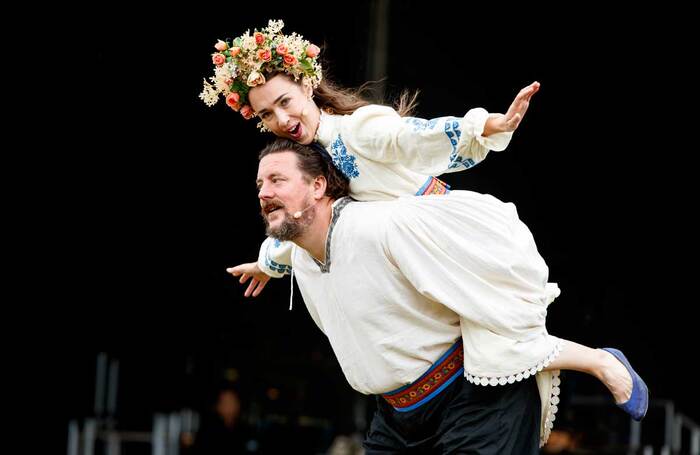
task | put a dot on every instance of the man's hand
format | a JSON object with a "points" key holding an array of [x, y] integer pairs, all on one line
{"points": [[500, 123], [247, 271]]}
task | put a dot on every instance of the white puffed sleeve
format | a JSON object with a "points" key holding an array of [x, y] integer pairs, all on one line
{"points": [[275, 257], [431, 147], [471, 253]]}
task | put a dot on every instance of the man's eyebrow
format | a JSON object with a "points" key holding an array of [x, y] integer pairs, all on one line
{"points": [[274, 102], [258, 182]]}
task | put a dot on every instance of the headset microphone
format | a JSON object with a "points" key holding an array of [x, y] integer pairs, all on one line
{"points": [[298, 214]]}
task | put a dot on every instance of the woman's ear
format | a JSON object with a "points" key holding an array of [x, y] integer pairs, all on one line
{"points": [[307, 88]]}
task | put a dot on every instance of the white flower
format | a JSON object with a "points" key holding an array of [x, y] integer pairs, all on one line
{"points": [[209, 94], [274, 27], [262, 127]]}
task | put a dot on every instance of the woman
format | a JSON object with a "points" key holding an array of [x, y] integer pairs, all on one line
{"points": [[385, 154]]}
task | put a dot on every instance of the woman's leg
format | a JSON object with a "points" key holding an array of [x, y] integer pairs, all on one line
{"points": [[598, 363]]}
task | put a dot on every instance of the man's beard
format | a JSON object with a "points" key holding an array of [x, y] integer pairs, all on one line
{"points": [[290, 228]]}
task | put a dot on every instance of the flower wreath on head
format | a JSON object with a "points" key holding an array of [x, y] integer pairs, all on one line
{"points": [[241, 64]]}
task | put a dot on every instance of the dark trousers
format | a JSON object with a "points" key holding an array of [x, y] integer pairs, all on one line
{"points": [[463, 419]]}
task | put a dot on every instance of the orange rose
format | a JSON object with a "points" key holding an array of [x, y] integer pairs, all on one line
{"points": [[259, 38], [218, 59], [282, 49], [235, 51], [221, 46], [265, 55], [312, 51], [247, 112], [232, 101], [289, 60]]}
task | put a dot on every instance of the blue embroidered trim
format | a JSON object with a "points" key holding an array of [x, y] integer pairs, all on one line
{"points": [[453, 132], [276, 266], [279, 268], [344, 161], [419, 124]]}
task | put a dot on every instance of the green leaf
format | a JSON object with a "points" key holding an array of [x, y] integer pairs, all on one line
{"points": [[306, 65]]}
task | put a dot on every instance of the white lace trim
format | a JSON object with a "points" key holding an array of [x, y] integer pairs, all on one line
{"points": [[503, 380], [552, 411]]}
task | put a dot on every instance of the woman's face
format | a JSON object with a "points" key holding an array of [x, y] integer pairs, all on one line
{"points": [[286, 108]]}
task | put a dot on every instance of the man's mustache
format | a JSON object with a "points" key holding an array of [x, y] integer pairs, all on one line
{"points": [[270, 206]]}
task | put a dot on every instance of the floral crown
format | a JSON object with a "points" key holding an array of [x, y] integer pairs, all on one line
{"points": [[241, 64]]}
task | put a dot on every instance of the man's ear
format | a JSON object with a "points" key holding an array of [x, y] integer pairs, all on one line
{"points": [[320, 185]]}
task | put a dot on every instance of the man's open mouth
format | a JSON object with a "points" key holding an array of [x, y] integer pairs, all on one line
{"points": [[269, 208]]}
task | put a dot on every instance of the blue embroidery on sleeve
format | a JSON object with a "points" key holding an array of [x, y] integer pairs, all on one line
{"points": [[344, 161], [276, 266], [453, 132], [419, 124]]}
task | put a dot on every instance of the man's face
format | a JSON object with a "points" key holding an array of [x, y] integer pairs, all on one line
{"points": [[283, 190]]}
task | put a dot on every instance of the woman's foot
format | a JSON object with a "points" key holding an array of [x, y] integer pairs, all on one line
{"points": [[615, 376], [635, 402]]}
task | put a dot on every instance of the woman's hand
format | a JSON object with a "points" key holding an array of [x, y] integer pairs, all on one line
{"points": [[500, 123], [247, 271]]}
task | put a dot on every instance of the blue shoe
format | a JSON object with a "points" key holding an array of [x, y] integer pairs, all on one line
{"points": [[638, 403]]}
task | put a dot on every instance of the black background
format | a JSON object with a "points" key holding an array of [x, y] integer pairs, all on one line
{"points": [[155, 196]]}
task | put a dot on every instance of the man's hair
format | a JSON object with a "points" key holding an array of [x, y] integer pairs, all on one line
{"points": [[312, 164]]}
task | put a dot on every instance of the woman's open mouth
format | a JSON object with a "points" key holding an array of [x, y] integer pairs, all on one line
{"points": [[296, 132]]}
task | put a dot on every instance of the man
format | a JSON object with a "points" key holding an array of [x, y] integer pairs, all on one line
{"points": [[369, 284]]}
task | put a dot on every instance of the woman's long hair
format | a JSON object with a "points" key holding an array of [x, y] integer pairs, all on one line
{"points": [[337, 100], [334, 99]]}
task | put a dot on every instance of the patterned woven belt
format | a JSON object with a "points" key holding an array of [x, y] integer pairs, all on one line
{"points": [[433, 186], [443, 372]]}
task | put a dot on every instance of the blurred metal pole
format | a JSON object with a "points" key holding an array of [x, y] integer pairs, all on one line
{"points": [[669, 427], [112, 387], [159, 436], [174, 427], [635, 435], [73, 437], [378, 48], [694, 437], [89, 435], [100, 379], [677, 433], [113, 443], [187, 423]]}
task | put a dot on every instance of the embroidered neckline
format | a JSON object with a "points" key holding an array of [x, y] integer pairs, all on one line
{"points": [[322, 134], [338, 206]]}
